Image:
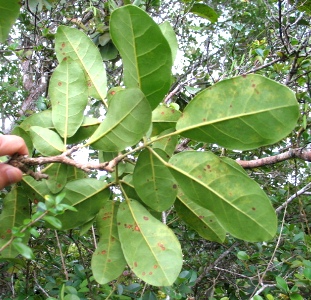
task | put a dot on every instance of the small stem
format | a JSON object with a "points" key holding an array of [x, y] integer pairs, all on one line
{"points": [[61, 255]]}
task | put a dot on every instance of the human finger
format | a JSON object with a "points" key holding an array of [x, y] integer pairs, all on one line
{"points": [[9, 175], [11, 144]]}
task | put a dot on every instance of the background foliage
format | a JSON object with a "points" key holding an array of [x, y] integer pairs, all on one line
{"points": [[217, 40]]}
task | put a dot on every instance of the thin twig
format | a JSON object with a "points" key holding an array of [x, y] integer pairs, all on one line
{"points": [[61, 255], [301, 153]]}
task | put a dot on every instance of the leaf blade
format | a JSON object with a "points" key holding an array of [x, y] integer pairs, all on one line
{"points": [[239, 113], [145, 52], [71, 42], [127, 120], [69, 96], [238, 202], [108, 261], [153, 182], [158, 259]]}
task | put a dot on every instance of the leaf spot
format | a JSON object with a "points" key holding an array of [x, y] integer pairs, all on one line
{"points": [[150, 273], [161, 246], [174, 186], [135, 264], [253, 208], [63, 45], [162, 112], [155, 266], [143, 273], [137, 228], [201, 217], [104, 252], [59, 83], [9, 231], [146, 218], [109, 260]]}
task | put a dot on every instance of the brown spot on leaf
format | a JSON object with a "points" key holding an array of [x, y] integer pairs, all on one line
{"points": [[104, 252], [253, 85], [150, 273], [146, 218], [155, 266], [63, 45], [204, 120], [135, 264], [137, 228], [244, 76], [109, 260], [162, 112], [59, 83], [112, 93], [174, 186], [35, 201], [143, 273], [201, 217], [9, 231], [253, 208], [161, 246]]}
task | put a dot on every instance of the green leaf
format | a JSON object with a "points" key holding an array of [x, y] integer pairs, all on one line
{"points": [[42, 119], [204, 11], [53, 221], [87, 128], [200, 219], [71, 42], [87, 195], [57, 177], [46, 141], [150, 248], [69, 96], [35, 190], [9, 11], [281, 284], [145, 52], [238, 202], [169, 34], [164, 118], [153, 182], [244, 112], [168, 144], [108, 261], [109, 51], [242, 255], [127, 120], [23, 249], [74, 173], [26, 137], [15, 210]]}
